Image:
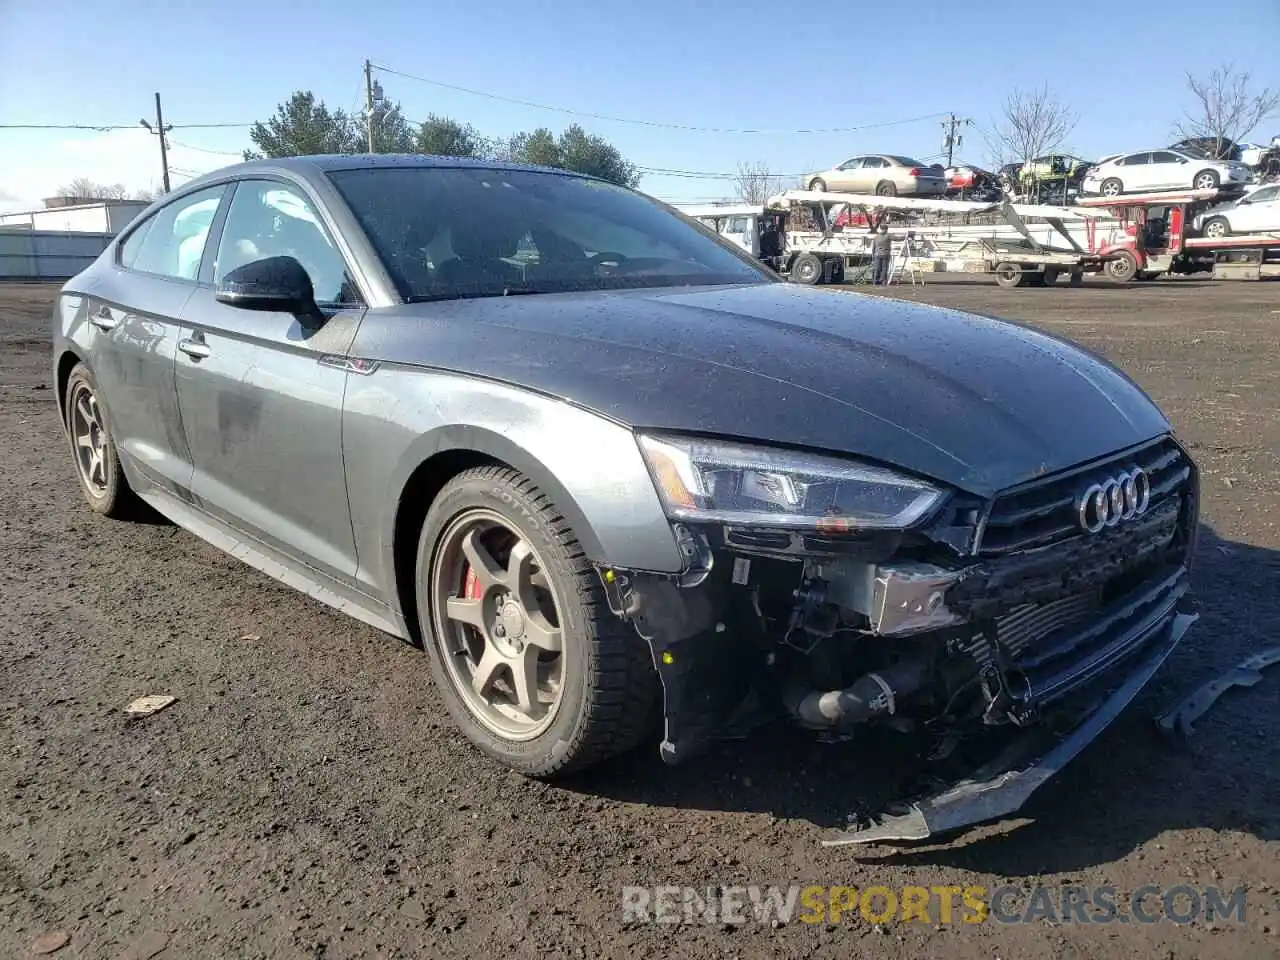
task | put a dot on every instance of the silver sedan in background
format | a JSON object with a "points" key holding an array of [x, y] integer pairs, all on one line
{"points": [[883, 174]]}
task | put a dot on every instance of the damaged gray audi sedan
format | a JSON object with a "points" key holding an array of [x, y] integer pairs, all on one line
{"points": [[609, 470]]}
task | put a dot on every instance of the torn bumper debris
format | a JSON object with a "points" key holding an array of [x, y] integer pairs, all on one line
{"points": [[1001, 787], [1178, 719]]}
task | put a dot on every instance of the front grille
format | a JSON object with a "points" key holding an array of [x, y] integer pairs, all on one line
{"points": [[1027, 624], [1044, 512]]}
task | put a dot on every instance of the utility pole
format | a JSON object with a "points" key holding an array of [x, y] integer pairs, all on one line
{"points": [[368, 101], [160, 130], [950, 140]]}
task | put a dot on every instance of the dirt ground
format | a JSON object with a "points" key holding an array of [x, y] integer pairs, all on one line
{"points": [[306, 797]]}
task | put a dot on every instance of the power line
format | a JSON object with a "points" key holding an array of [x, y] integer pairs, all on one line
{"points": [[105, 127], [647, 123], [192, 146]]}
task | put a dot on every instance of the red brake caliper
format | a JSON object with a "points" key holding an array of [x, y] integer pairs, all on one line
{"points": [[471, 585]]}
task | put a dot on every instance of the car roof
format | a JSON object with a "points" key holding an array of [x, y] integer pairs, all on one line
{"points": [[308, 166]]}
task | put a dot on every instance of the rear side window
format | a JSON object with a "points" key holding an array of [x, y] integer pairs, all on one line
{"points": [[1165, 157], [133, 243], [172, 242]]}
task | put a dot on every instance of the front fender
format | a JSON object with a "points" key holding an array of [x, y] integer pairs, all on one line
{"points": [[398, 417]]}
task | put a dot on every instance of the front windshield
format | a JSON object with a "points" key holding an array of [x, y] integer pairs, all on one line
{"points": [[449, 232]]}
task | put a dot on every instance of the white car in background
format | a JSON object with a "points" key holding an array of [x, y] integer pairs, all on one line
{"points": [[1255, 212], [1163, 169]]}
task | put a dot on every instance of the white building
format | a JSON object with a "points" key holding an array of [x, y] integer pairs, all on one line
{"points": [[76, 216]]}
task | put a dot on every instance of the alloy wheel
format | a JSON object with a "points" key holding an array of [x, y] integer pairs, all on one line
{"points": [[497, 625], [89, 432]]}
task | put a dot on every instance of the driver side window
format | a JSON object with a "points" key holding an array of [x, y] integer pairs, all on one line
{"points": [[270, 219]]}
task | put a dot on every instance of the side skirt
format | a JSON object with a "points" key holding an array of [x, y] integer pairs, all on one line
{"points": [[288, 571]]}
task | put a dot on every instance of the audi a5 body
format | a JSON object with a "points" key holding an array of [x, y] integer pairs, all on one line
{"points": [[620, 480]]}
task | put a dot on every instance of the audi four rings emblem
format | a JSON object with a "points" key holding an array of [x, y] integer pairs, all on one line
{"points": [[1122, 497]]}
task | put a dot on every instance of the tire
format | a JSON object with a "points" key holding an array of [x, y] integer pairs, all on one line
{"points": [[1145, 276], [1050, 276], [837, 271], [1124, 269], [817, 183], [806, 269], [1009, 275], [1077, 278], [93, 450], [886, 188], [1206, 180], [1217, 227], [607, 685], [1111, 187]]}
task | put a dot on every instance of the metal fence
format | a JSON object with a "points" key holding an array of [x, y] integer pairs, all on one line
{"points": [[47, 254]]}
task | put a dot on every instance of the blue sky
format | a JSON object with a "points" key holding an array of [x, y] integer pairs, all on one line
{"points": [[713, 63]]}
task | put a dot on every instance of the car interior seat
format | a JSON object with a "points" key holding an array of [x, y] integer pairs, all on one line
{"points": [[479, 246]]}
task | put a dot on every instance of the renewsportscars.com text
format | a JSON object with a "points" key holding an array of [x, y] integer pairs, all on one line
{"points": [[1009, 904]]}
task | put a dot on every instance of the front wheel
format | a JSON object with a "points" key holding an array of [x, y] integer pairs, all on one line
{"points": [[807, 269], [1111, 187], [534, 667], [817, 183], [1124, 268]]}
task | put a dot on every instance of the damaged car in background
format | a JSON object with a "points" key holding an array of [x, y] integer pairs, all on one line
{"points": [[615, 476]]}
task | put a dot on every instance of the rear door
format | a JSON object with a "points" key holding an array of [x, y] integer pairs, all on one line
{"points": [[845, 177], [1261, 214], [133, 329], [261, 392]]}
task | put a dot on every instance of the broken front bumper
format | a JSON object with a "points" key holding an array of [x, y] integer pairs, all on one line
{"points": [[1000, 787]]}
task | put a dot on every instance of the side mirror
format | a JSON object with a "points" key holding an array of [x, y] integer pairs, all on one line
{"points": [[278, 284]]}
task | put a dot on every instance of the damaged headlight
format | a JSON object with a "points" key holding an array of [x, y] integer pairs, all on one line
{"points": [[756, 486]]}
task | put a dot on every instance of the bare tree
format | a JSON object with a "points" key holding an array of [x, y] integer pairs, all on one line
{"points": [[82, 188], [1032, 123], [1226, 109], [756, 183]]}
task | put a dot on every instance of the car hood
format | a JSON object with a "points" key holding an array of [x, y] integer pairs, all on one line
{"points": [[972, 401]]}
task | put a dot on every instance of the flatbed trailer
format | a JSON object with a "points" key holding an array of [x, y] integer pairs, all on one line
{"points": [[1151, 245]]}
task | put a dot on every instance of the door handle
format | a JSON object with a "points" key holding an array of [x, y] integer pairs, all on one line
{"points": [[103, 320], [195, 349]]}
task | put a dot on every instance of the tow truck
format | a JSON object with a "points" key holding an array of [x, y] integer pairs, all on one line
{"points": [[1154, 239]]}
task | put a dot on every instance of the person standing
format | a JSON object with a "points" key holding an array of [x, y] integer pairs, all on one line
{"points": [[881, 254]]}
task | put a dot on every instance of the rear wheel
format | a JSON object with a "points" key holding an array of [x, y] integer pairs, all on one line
{"points": [[1111, 187], [1009, 275], [1217, 227], [102, 479], [1124, 268], [886, 188], [1206, 180], [533, 665], [807, 269]]}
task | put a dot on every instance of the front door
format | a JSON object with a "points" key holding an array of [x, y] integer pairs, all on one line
{"points": [[1259, 214], [261, 392], [133, 316]]}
